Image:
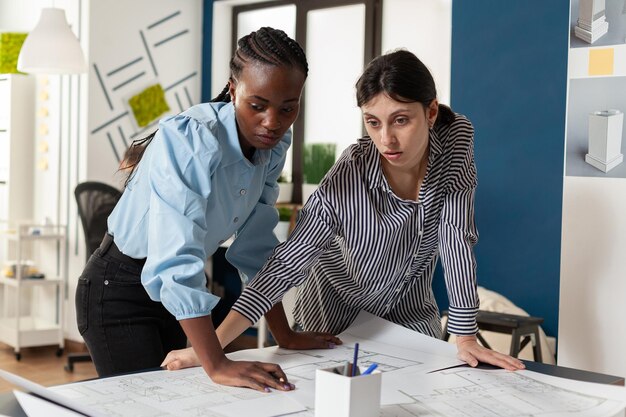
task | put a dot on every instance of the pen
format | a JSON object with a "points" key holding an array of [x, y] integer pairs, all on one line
{"points": [[370, 369], [356, 357]]}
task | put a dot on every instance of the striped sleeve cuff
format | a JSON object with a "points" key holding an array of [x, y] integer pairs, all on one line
{"points": [[252, 304], [462, 321]]}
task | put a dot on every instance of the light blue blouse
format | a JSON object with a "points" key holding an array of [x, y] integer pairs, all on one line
{"points": [[193, 190]]}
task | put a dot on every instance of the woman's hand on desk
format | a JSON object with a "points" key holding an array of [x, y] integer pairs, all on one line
{"points": [[255, 375], [260, 376], [180, 359], [471, 352]]}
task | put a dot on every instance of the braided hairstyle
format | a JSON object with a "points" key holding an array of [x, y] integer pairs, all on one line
{"points": [[403, 77], [268, 46]]}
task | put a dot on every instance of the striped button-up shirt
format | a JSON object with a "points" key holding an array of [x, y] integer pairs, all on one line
{"points": [[358, 246]]}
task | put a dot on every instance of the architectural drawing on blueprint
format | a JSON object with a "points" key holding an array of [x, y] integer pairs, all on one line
{"points": [[308, 361], [467, 392], [157, 394]]}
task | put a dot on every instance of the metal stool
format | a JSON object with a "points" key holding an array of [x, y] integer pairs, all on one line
{"points": [[522, 329]]}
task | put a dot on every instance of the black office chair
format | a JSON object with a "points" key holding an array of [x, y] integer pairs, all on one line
{"points": [[95, 201]]}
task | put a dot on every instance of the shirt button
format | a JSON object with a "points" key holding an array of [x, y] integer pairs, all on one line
{"points": [[221, 241], [236, 219], [242, 192], [106, 282]]}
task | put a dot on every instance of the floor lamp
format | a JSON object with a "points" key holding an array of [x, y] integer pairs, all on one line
{"points": [[52, 48]]}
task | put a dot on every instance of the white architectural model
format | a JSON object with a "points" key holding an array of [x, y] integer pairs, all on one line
{"points": [[592, 24], [605, 139]]}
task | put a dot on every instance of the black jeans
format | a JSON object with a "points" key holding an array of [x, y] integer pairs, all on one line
{"points": [[123, 328]]}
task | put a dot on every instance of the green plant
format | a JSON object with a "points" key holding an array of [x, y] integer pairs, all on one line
{"points": [[148, 105], [283, 178], [318, 159], [284, 214], [10, 45]]}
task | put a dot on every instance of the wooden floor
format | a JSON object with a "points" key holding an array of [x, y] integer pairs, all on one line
{"points": [[41, 365]]}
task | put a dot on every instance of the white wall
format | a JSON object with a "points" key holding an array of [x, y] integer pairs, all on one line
{"points": [[57, 133], [129, 51], [75, 106], [593, 275], [22, 15]]}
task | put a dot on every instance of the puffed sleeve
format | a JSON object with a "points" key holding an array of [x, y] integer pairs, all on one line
{"points": [[184, 157]]}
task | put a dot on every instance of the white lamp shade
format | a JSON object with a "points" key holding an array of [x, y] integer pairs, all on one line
{"points": [[52, 47]]}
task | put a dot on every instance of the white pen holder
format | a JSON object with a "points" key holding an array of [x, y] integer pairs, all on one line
{"points": [[343, 396]]}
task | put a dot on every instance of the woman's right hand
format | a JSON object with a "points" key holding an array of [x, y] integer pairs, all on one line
{"points": [[208, 352], [260, 376], [256, 375]]}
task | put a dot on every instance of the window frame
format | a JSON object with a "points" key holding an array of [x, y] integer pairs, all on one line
{"points": [[372, 48]]}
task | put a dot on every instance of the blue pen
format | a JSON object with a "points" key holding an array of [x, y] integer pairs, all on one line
{"points": [[370, 369], [356, 356]]}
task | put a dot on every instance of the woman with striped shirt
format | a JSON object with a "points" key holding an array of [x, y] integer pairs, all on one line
{"points": [[369, 237]]}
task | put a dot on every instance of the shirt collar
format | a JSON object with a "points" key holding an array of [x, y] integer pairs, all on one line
{"points": [[435, 142], [228, 138]]}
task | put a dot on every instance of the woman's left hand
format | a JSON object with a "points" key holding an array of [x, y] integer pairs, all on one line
{"points": [[180, 359], [471, 352]]}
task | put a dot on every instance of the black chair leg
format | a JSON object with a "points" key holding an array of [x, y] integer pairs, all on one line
{"points": [[76, 357]]}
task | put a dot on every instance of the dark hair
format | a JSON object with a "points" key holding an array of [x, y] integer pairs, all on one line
{"points": [[403, 77], [268, 46]]}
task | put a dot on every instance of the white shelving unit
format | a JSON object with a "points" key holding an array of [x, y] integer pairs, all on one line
{"points": [[17, 138], [32, 308]]}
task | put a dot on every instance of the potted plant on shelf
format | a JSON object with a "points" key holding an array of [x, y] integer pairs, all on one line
{"points": [[318, 159], [285, 187]]}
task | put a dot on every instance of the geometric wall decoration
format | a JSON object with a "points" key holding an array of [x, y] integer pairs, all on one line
{"points": [[148, 104], [10, 45], [150, 55]]}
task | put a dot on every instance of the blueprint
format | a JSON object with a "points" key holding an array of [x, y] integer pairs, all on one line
{"points": [[468, 392], [188, 392], [420, 378]]}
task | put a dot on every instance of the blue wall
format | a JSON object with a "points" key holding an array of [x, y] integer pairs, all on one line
{"points": [[509, 76]]}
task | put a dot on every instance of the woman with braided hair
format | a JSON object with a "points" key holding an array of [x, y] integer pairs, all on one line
{"points": [[208, 173]]}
